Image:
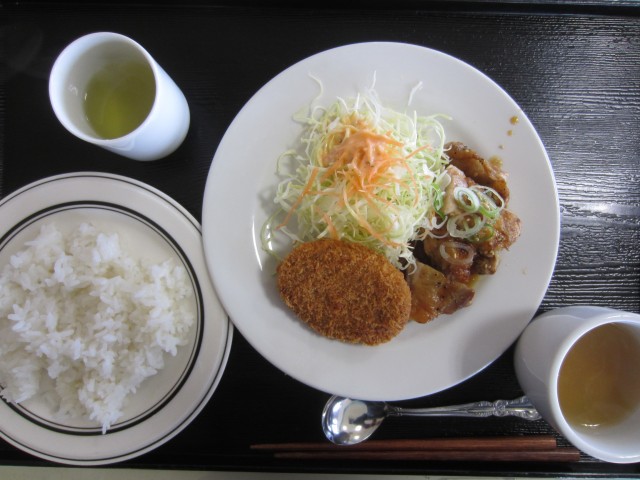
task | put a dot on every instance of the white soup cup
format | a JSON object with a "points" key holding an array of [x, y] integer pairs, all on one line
{"points": [[539, 355]]}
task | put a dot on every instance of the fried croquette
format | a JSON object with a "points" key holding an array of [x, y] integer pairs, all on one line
{"points": [[345, 291]]}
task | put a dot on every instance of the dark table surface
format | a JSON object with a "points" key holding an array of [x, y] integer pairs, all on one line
{"points": [[574, 68]]}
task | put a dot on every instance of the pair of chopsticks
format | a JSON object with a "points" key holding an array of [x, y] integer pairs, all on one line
{"points": [[489, 449]]}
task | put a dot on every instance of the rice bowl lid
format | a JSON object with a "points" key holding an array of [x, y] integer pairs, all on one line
{"points": [[157, 229]]}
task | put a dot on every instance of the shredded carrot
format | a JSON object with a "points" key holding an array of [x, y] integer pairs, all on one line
{"points": [[333, 232], [365, 161], [298, 201]]}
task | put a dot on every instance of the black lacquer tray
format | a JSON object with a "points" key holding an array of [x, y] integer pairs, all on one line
{"points": [[573, 67]]}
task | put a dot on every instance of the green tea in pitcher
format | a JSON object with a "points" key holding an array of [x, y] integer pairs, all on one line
{"points": [[119, 97]]}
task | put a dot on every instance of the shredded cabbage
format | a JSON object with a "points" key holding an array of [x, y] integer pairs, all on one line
{"points": [[365, 174]]}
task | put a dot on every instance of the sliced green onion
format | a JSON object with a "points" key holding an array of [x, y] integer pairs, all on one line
{"points": [[491, 203], [438, 199], [465, 225], [463, 253], [485, 234], [467, 199]]}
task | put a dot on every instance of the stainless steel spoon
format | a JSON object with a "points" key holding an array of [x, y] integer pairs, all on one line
{"points": [[347, 422]]}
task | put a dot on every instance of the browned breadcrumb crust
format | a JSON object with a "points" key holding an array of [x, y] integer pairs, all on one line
{"points": [[345, 291]]}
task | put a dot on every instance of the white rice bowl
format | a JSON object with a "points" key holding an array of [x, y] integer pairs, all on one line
{"points": [[82, 324]]}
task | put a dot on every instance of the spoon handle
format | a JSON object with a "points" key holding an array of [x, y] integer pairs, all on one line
{"points": [[519, 407]]}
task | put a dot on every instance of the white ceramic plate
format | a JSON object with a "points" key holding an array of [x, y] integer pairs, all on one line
{"points": [[423, 359], [155, 226]]}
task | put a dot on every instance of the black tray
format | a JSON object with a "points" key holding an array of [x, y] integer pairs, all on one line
{"points": [[574, 68]]}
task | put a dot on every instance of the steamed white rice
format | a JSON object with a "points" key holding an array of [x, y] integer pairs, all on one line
{"points": [[83, 324]]}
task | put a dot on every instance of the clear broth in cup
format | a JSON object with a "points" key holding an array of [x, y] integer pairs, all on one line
{"points": [[599, 379]]}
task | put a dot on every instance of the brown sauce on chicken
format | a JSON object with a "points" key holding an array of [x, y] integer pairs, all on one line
{"points": [[448, 267]]}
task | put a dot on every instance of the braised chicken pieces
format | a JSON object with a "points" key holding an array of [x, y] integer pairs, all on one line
{"points": [[483, 172], [441, 283]]}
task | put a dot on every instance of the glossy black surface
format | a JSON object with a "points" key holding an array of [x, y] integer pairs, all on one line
{"points": [[573, 68]]}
